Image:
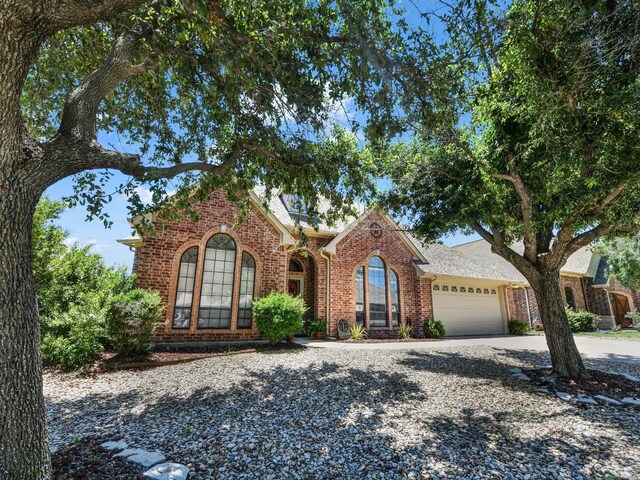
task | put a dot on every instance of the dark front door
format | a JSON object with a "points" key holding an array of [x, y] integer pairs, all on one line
{"points": [[620, 305]]}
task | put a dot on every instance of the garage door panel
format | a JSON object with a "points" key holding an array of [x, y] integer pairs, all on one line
{"points": [[465, 313]]}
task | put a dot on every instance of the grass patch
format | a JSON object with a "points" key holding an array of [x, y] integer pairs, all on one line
{"points": [[624, 335]]}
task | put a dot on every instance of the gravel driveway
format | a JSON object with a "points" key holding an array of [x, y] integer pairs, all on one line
{"points": [[322, 413]]}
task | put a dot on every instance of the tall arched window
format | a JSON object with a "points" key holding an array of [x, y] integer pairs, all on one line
{"points": [[360, 296], [245, 299], [184, 290], [395, 298], [571, 300], [217, 282], [377, 293]]}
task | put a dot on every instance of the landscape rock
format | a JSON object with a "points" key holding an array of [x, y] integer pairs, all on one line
{"points": [[119, 445], [608, 400], [564, 395], [147, 459], [521, 376], [586, 399], [631, 401], [127, 452], [168, 471]]}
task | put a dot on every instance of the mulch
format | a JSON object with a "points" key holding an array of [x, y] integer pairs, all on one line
{"points": [[600, 383], [87, 460], [175, 355]]}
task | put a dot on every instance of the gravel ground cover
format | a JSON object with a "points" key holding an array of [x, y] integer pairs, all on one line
{"points": [[322, 413]]}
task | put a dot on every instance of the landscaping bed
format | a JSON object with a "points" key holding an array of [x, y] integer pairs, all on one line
{"points": [[600, 383], [391, 340], [87, 460], [169, 355]]}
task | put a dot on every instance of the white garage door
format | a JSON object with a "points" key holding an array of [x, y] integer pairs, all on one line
{"points": [[467, 309]]}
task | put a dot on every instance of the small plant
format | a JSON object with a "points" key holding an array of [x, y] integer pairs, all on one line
{"points": [[615, 328], [278, 315], [433, 329], [582, 321], [635, 318], [132, 319], [316, 325], [357, 332], [404, 331], [518, 327]]}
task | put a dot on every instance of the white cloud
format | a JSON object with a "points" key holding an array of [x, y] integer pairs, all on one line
{"points": [[70, 241], [144, 193]]}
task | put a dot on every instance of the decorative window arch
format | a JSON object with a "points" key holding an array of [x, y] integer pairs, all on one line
{"points": [[360, 296], [183, 304], [394, 287], [378, 285], [295, 266], [571, 299], [217, 282], [377, 274], [245, 296]]}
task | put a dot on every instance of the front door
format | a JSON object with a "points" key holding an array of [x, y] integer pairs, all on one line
{"points": [[620, 306], [295, 287]]}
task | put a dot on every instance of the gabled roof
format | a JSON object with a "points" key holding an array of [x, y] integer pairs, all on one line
{"points": [[278, 208], [582, 263], [444, 260]]}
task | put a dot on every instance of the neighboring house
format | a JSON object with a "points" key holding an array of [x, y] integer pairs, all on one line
{"points": [[367, 270]]}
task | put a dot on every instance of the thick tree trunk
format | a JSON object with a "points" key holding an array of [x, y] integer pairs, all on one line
{"points": [[24, 452], [565, 357]]}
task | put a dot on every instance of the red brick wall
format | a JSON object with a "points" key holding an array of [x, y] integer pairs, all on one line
{"points": [[157, 261], [353, 251]]}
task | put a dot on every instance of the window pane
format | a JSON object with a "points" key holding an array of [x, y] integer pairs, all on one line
{"points": [[245, 299], [360, 296], [217, 282], [184, 291], [395, 298], [377, 293], [571, 301]]}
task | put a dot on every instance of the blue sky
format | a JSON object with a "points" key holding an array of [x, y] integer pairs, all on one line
{"points": [[104, 239]]}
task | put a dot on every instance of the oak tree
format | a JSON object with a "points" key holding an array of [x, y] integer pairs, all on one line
{"points": [[524, 129]]}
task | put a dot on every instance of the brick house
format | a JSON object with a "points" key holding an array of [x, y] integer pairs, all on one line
{"points": [[367, 270]]}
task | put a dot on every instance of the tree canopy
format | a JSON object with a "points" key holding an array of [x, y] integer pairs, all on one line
{"points": [[623, 258]]}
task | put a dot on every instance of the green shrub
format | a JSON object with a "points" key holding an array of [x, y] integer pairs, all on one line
{"points": [[357, 333], [582, 321], [74, 338], [316, 325], [614, 329], [404, 331], [433, 329], [635, 318], [518, 327], [131, 320], [278, 315]]}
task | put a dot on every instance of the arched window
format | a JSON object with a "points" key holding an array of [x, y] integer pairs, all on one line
{"points": [[571, 300], [184, 290], [395, 298], [377, 293], [360, 296], [295, 266], [245, 299], [217, 282]]}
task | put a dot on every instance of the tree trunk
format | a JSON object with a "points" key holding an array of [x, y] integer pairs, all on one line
{"points": [[24, 451], [565, 357]]}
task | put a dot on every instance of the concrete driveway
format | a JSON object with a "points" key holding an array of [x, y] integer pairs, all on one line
{"points": [[618, 350]]}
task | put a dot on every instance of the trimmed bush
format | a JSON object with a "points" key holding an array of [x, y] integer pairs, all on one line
{"points": [[582, 321], [635, 319], [433, 329], [132, 319], [518, 327], [278, 315], [73, 339]]}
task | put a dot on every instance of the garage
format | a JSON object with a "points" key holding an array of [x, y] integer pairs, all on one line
{"points": [[467, 309]]}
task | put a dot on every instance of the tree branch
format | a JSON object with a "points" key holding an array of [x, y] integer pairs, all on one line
{"points": [[498, 246], [76, 156], [81, 109], [579, 241], [72, 13], [526, 202]]}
